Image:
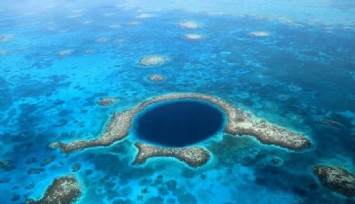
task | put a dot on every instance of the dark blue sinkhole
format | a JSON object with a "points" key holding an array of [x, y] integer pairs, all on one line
{"points": [[179, 123]]}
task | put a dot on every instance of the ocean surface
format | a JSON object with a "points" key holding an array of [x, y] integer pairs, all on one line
{"points": [[58, 58]]}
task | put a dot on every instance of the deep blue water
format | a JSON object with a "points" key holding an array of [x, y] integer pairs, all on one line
{"points": [[302, 72], [179, 123]]}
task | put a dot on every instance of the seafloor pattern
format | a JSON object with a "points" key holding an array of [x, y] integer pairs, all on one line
{"points": [[65, 68]]}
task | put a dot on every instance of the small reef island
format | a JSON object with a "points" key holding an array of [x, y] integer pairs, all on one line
{"points": [[153, 60], [337, 179], [64, 189], [239, 123]]}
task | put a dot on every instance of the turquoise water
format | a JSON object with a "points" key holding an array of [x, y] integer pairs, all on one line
{"points": [[57, 59]]}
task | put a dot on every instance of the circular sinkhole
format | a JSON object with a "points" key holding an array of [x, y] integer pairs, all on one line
{"points": [[179, 123]]}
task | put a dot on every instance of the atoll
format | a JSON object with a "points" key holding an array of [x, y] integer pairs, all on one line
{"points": [[64, 189], [189, 24], [152, 60], [156, 78], [238, 123], [193, 156], [107, 101], [337, 179], [259, 34], [193, 36]]}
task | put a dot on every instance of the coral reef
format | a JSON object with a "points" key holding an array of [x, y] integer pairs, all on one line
{"points": [[193, 156], [330, 123], [152, 60], [156, 78], [239, 123], [107, 101], [3, 164], [259, 34], [63, 190], [337, 179]]}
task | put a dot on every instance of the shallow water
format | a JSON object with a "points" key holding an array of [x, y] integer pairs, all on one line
{"points": [[58, 59]]}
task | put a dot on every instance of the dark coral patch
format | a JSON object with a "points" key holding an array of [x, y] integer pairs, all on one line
{"points": [[337, 179]]}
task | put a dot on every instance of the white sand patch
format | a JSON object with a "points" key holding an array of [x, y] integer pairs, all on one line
{"points": [[64, 52], [189, 24], [153, 60], [259, 34], [193, 36], [145, 15]]}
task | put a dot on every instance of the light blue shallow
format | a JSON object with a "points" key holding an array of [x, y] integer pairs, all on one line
{"points": [[304, 71]]}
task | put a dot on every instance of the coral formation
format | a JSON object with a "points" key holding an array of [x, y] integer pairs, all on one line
{"points": [[337, 179], [156, 78], [107, 101], [193, 156], [152, 60], [239, 123], [259, 34], [64, 189]]}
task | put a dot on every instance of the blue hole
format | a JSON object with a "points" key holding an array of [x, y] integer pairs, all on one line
{"points": [[179, 123]]}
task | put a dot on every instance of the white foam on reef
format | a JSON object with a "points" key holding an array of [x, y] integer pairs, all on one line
{"points": [[193, 36], [153, 60], [65, 52], [145, 15], [87, 22], [189, 24], [259, 34], [114, 26], [303, 12]]}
